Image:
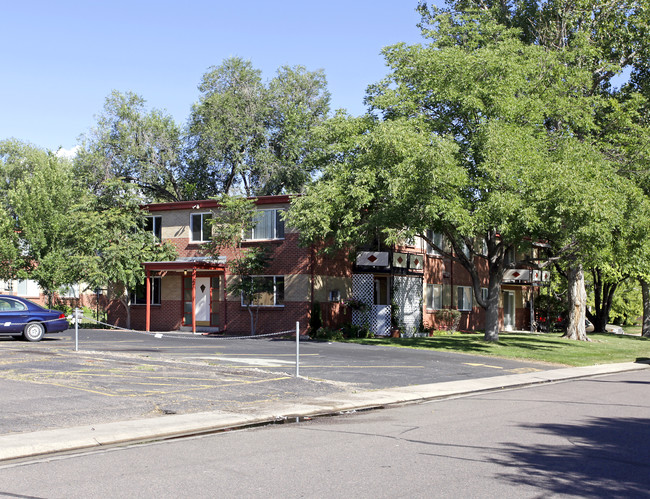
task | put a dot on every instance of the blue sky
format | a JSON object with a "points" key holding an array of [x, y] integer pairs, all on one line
{"points": [[61, 59]]}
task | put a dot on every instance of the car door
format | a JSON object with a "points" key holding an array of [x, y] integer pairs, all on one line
{"points": [[13, 316]]}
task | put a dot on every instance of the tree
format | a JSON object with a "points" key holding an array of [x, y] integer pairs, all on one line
{"points": [[463, 148], [42, 198], [230, 222], [247, 137], [140, 147], [598, 38], [113, 242]]}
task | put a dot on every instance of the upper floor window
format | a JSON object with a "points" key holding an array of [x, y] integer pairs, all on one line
{"points": [[70, 291], [464, 295], [438, 239], [200, 228], [153, 224], [510, 257], [268, 225]]}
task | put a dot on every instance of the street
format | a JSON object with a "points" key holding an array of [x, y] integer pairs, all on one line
{"points": [[583, 438]]}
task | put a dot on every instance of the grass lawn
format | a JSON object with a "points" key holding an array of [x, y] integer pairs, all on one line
{"points": [[602, 349]]}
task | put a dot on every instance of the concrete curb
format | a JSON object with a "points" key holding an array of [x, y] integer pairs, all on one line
{"points": [[26, 445]]}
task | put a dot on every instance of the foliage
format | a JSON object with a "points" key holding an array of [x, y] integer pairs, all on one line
{"points": [[316, 317], [328, 334], [230, 222], [245, 137], [355, 304], [447, 318], [354, 331], [627, 305], [251, 262], [141, 147]]}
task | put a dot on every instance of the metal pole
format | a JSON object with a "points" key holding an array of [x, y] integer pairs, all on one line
{"points": [[297, 349], [76, 329]]}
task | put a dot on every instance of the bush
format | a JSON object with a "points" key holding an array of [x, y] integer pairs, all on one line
{"points": [[316, 318], [353, 331], [448, 319], [325, 333]]}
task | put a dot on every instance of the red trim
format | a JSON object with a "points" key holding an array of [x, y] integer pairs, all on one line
{"points": [[161, 266], [148, 301], [211, 203]]}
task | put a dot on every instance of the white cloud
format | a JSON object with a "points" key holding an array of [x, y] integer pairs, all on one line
{"points": [[67, 153]]}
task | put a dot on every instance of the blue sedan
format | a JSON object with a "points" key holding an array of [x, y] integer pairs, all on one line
{"points": [[20, 317]]}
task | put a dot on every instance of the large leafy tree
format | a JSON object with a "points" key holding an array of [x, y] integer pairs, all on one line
{"points": [[602, 39], [41, 198], [248, 137], [141, 147], [112, 242], [473, 137]]}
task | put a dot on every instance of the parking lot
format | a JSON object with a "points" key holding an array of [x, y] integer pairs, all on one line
{"points": [[127, 375]]}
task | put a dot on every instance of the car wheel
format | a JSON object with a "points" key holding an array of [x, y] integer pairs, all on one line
{"points": [[34, 331]]}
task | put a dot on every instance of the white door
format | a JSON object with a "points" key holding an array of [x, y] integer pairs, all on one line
{"points": [[509, 310], [202, 299]]}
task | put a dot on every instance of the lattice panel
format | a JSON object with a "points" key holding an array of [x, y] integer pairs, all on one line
{"points": [[408, 297], [363, 288]]}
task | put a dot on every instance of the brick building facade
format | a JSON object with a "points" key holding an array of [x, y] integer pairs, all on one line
{"points": [[408, 283]]}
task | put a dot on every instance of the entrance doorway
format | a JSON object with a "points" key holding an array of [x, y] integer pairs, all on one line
{"points": [[202, 309], [509, 310]]}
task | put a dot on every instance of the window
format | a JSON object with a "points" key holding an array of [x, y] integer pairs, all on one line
{"points": [[466, 251], [8, 305], [434, 296], [271, 292], [71, 291], [6, 285], [27, 288], [438, 239], [154, 225], [484, 293], [200, 227], [464, 295], [268, 225], [335, 295], [138, 296], [509, 258]]}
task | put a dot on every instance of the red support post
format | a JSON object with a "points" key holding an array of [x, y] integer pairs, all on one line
{"points": [[148, 301], [194, 300]]}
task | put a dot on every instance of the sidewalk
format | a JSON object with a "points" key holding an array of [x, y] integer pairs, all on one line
{"points": [[24, 445]]}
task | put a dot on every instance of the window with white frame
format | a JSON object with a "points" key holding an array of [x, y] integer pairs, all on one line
{"points": [[200, 228], [27, 287], [71, 291], [438, 239], [434, 296], [153, 224], [139, 294], [464, 298], [271, 292], [484, 294], [268, 225]]}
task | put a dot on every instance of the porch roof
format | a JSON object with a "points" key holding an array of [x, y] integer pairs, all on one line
{"points": [[189, 263]]}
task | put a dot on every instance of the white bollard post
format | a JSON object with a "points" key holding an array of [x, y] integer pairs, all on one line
{"points": [[297, 349]]}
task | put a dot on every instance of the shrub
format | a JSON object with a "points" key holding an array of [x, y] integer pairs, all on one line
{"points": [[447, 318], [316, 318]]}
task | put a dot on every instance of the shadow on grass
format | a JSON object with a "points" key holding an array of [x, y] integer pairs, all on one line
{"points": [[469, 343], [601, 457]]}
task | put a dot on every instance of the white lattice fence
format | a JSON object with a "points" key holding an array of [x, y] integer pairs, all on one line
{"points": [[376, 317], [408, 297]]}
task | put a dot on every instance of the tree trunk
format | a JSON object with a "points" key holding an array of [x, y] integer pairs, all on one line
{"points": [[492, 309], [250, 312], [645, 292], [577, 304]]}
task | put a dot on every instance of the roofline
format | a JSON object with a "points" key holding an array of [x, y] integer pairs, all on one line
{"points": [[211, 203]]}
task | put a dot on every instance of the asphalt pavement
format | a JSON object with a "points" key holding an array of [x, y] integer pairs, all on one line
{"points": [[121, 387]]}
